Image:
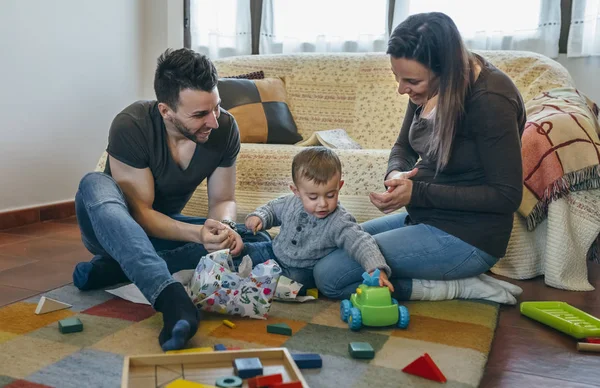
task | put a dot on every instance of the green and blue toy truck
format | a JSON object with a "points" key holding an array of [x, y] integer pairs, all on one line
{"points": [[373, 305]]}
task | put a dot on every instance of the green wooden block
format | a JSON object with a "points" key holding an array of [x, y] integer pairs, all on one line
{"points": [[279, 328], [70, 325], [361, 350]]}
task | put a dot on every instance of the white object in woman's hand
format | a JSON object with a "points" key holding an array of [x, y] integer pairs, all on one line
{"points": [[394, 178], [394, 198]]}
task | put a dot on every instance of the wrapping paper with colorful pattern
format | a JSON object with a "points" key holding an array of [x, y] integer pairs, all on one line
{"points": [[214, 287]]}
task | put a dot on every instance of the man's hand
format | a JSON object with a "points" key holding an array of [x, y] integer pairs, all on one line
{"points": [[254, 224], [215, 236], [236, 242]]}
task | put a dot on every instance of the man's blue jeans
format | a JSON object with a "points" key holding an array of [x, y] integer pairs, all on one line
{"points": [[109, 230], [412, 252]]}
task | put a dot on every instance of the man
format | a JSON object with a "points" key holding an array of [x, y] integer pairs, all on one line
{"points": [[159, 152]]}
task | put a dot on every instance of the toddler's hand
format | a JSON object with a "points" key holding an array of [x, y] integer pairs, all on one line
{"points": [[254, 224], [384, 281]]}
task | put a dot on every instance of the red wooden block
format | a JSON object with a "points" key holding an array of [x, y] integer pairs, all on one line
{"points": [[426, 368], [593, 340], [264, 381], [293, 384]]}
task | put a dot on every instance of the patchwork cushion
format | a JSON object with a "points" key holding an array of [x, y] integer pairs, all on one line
{"points": [[253, 75], [260, 109]]}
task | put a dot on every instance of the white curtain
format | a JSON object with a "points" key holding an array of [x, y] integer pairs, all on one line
{"points": [[221, 28], [584, 33], [529, 25], [323, 26]]}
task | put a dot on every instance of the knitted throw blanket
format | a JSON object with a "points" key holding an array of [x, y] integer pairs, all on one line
{"points": [[560, 149]]}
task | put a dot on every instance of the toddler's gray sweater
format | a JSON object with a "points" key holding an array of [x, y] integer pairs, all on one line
{"points": [[304, 239]]}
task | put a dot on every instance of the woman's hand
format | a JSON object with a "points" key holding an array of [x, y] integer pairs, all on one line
{"points": [[394, 198], [254, 224], [394, 177]]}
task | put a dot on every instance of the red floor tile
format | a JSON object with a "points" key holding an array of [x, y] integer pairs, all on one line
{"points": [[8, 262], [6, 238], [39, 276], [10, 295], [39, 248], [41, 229]]}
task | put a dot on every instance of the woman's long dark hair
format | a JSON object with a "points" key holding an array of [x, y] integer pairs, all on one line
{"points": [[433, 40]]}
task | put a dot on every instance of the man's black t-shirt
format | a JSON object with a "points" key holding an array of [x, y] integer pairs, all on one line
{"points": [[138, 138]]}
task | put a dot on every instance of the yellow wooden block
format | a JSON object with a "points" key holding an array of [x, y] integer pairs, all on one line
{"points": [[179, 383], [191, 350], [314, 292], [229, 323]]}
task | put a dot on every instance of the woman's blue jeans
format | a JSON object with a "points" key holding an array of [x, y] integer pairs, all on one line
{"points": [[109, 230], [412, 252]]}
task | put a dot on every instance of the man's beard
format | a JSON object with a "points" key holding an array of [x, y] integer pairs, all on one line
{"points": [[183, 130]]}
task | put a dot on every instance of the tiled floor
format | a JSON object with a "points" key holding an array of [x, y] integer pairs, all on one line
{"points": [[41, 257]]}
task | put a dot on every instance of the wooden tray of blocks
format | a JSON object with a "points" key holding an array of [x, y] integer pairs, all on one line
{"points": [[159, 370]]}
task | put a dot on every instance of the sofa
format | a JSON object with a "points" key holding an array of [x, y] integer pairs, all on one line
{"points": [[358, 92]]}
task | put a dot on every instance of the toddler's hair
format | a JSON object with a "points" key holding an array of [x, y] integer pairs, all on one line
{"points": [[317, 164]]}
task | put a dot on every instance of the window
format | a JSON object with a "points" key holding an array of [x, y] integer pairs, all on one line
{"points": [[221, 28], [317, 25]]}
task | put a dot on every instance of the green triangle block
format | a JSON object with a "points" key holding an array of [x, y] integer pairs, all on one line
{"points": [[279, 328]]}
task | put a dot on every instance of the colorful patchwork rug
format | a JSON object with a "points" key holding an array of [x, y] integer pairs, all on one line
{"points": [[33, 353]]}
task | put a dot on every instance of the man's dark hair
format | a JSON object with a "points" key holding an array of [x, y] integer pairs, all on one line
{"points": [[181, 69]]}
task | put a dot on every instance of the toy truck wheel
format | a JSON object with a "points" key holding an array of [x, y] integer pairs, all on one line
{"points": [[403, 317], [394, 301], [355, 319], [345, 310]]}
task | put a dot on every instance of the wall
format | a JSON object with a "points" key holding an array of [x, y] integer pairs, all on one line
{"points": [[585, 73], [162, 28], [67, 68]]}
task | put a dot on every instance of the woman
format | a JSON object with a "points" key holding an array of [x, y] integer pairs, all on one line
{"points": [[464, 122]]}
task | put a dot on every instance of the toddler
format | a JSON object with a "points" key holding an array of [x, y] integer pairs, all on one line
{"points": [[313, 223]]}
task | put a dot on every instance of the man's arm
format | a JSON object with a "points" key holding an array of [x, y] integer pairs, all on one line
{"points": [[138, 186], [221, 194]]}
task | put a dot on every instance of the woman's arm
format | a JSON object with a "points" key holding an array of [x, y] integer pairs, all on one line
{"points": [[495, 123], [403, 157]]}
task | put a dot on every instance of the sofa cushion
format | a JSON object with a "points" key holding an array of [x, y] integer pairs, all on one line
{"points": [[252, 75], [260, 109]]}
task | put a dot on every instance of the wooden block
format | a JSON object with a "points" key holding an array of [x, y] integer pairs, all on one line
{"points": [[219, 347], [247, 367], [425, 367], [314, 292], [361, 350], [587, 347], [229, 324], [229, 382], [70, 325], [279, 328], [293, 384], [47, 305], [190, 350], [264, 381], [179, 383], [308, 360]]}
